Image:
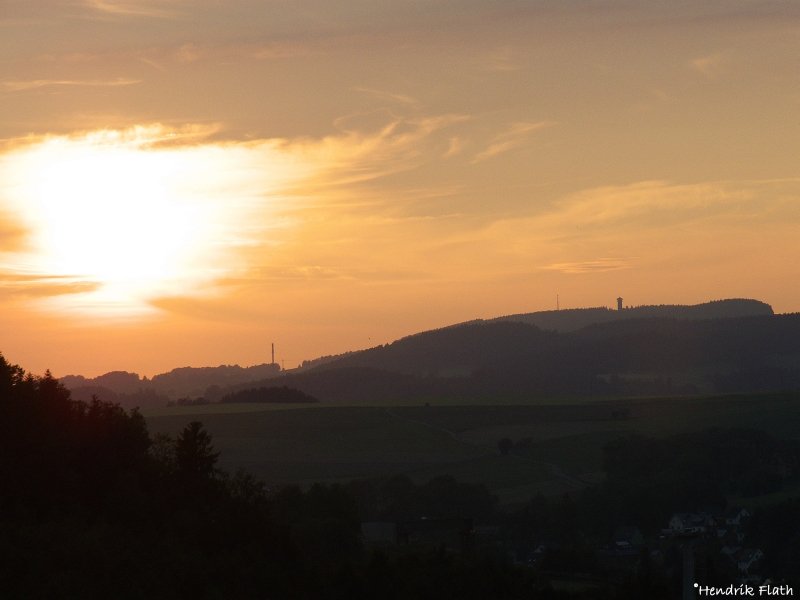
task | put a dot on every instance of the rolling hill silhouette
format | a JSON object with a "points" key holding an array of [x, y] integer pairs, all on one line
{"points": [[723, 346], [577, 318], [716, 347]]}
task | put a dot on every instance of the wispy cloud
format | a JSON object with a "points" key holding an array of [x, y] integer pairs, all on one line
{"points": [[707, 65], [369, 154], [388, 96], [273, 50], [167, 55], [516, 135], [140, 8], [33, 84], [298, 273], [12, 234], [661, 204], [598, 265], [189, 53], [192, 52], [20, 285], [500, 60], [636, 226], [455, 146]]}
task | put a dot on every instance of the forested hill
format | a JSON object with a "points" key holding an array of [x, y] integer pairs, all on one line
{"points": [[637, 356], [130, 390], [578, 318], [721, 346]]}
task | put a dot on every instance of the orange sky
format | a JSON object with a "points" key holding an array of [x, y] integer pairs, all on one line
{"points": [[183, 183]]}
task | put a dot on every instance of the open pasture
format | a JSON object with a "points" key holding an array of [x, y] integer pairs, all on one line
{"points": [[557, 447]]}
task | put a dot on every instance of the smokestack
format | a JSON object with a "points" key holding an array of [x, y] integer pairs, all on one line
{"points": [[273, 353]]}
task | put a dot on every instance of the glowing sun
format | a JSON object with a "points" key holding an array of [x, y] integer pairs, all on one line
{"points": [[133, 212]]}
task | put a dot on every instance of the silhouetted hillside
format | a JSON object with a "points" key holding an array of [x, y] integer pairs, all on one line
{"points": [[195, 381], [351, 383], [129, 388], [497, 359], [120, 382], [120, 387], [721, 346], [578, 318]]}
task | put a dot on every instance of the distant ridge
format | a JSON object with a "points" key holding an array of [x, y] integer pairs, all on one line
{"points": [[129, 389], [660, 350], [733, 345], [577, 318]]}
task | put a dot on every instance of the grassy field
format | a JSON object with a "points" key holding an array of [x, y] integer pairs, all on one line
{"points": [[215, 408], [321, 444], [558, 444]]}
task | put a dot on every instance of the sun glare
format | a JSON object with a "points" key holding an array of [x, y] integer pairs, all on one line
{"points": [[136, 217]]}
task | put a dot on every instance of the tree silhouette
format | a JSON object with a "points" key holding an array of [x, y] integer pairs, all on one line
{"points": [[194, 453]]}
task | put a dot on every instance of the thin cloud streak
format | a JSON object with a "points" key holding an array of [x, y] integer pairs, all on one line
{"points": [[708, 65], [192, 52], [33, 84], [500, 60], [662, 204], [593, 230], [12, 233], [599, 265], [389, 96], [114, 8], [21, 285], [516, 135]]}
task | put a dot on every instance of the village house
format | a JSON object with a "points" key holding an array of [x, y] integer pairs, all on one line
{"points": [[690, 524]]}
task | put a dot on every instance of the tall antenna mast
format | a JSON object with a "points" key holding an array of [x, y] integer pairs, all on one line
{"points": [[273, 353]]}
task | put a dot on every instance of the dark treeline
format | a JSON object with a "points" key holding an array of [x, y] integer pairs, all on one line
{"points": [[141, 398], [274, 395]]}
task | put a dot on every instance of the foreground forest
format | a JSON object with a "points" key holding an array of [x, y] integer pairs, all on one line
{"points": [[92, 506], [95, 506]]}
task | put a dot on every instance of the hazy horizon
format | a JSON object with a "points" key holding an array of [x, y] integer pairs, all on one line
{"points": [[184, 183]]}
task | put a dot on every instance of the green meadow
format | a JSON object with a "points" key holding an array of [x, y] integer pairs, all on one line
{"points": [[558, 445]]}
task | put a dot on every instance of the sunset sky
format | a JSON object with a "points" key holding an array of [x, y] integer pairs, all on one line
{"points": [[185, 182]]}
